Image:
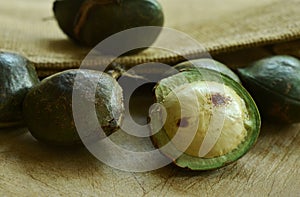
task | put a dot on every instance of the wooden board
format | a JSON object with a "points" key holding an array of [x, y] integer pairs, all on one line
{"points": [[28, 168]]}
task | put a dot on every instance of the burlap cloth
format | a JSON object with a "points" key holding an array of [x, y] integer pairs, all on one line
{"points": [[29, 28]]}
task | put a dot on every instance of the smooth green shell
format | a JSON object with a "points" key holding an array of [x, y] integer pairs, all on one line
{"points": [[17, 76], [48, 106], [159, 139], [274, 83], [90, 21], [208, 64]]}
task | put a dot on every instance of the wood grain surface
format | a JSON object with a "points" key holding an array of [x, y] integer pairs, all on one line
{"points": [[29, 168]]}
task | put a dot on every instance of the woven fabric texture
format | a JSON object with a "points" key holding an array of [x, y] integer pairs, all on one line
{"points": [[29, 28]]}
